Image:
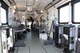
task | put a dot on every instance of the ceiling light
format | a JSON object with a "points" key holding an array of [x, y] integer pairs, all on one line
{"points": [[24, 6], [41, 11], [29, 8], [14, 7], [23, 16], [13, 11]]}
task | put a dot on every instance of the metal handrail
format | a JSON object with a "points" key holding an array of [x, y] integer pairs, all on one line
{"points": [[51, 28]]}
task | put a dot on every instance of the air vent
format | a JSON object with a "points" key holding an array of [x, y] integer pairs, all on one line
{"points": [[48, 6], [7, 2], [12, 2], [55, 2]]}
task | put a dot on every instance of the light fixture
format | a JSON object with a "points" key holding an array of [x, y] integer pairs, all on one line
{"points": [[41, 11], [29, 8], [23, 16], [13, 10], [14, 7], [24, 6]]}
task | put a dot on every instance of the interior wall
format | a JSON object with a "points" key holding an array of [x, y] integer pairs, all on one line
{"points": [[10, 15], [51, 17], [12, 19], [53, 14]]}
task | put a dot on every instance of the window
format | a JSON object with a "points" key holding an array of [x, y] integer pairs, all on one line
{"points": [[3, 16], [76, 12], [64, 14], [10, 31], [3, 34], [4, 13]]}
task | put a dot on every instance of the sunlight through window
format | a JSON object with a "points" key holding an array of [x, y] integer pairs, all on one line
{"points": [[77, 12], [64, 14], [3, 15]]}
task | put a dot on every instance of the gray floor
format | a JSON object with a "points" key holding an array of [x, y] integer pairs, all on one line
{"points": [[35, 45]]}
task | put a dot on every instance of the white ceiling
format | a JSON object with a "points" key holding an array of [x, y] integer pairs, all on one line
{"points": [[35, 4]]}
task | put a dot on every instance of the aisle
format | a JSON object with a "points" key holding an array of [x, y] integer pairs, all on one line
{"points": [[35, 45]]}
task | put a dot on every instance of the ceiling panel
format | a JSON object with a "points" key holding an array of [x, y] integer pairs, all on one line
{"points": [[37, 4]]}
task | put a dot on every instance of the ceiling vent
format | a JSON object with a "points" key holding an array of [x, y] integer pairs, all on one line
{"points": [[12, 2], [7, 2], [55, 2]]}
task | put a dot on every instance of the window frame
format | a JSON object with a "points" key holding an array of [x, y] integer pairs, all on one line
{"points": [[73, 3], [59, 13], [5, 7]]}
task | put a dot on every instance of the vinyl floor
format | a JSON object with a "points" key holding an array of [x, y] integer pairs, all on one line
{"points": [[33, 44]]}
